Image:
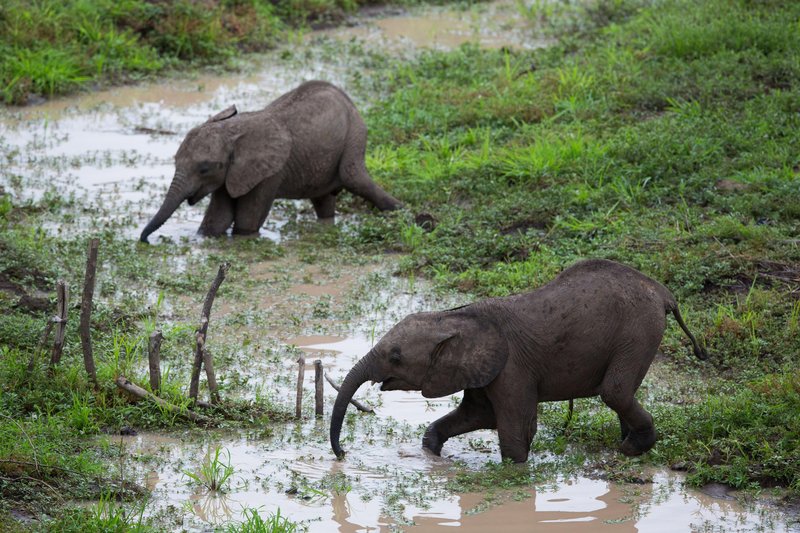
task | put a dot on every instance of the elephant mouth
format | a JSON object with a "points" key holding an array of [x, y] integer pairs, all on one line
{"points": [[396, 384], [196, 197]]}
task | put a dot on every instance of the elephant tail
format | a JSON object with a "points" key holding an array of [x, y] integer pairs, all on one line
{"points": [[699, 351], [570, 410]]}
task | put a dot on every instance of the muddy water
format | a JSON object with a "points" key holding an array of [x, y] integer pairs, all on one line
{"points": [[110, 153], [491, 25], [389, 488]]}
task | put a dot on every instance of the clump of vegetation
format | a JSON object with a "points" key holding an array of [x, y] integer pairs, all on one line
{"points": [[254, 523], [215, 472], [51, 47]]}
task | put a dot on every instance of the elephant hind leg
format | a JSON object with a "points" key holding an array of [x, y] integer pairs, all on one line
{"points": [[641, 433], [474, 412], [636, 424], [622, 379], [356, 179]]}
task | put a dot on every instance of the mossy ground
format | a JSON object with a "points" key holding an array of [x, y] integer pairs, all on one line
{"points": [[665, 135]]}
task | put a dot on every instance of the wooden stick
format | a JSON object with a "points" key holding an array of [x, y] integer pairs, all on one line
{"points": [[61, 322], [208, 363], [154, 360], [301, 372], [35, 354], [358, 405], [200, 337], [131, 388], [86, 311], [318, 384]]}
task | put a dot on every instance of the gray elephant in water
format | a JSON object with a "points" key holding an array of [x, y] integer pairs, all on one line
{"points": [[309, 143], [593, 330]]}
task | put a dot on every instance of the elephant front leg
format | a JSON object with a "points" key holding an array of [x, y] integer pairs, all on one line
{"points": [[219, 214], [475, 412], [516, 423], [253, 208], [325, 206]]}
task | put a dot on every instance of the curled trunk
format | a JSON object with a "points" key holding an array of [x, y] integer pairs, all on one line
{"points": [[355, 378], [176, 194]]}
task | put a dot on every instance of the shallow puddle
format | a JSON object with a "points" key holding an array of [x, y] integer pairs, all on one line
{"points": [[490, 25], [401, 487]]}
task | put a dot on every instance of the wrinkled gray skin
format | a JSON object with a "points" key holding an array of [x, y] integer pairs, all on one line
{"points": [[593, 330], [309, 143]]}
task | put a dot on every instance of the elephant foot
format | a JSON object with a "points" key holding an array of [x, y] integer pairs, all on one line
{"points": [[432, 442], [239, 232], [211, 232], [637, 443]]}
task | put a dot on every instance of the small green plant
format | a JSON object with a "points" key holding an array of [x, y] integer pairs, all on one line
{"points": [[254, 523], [794, 318], [80, 414], [215, 472]]}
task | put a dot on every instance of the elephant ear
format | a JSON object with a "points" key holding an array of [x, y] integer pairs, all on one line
{"points": [[465, 360], [224, 114], [259, 151]]}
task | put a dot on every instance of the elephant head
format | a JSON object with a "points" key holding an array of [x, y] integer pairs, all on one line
{"points": [[438, 353], [230, 150]]}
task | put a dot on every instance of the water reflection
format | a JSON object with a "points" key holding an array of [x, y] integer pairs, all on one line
{"points": [[383, 488]]}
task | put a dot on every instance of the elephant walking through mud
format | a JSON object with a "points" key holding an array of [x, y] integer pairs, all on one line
{"points": [[309, 143], [593, 330]]}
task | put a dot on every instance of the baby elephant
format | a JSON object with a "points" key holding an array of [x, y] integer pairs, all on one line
{"points": [[593, 330], [309, 143]]}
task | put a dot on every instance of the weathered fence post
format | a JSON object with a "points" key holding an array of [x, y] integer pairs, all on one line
{"points": [[318, 389], [208, 363], [301, 372], [61, 322], [154, 360], [200, 336], [86, 311], [45, 335]]}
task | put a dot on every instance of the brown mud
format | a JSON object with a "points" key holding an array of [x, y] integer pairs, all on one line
{"points": [[491, 25]]}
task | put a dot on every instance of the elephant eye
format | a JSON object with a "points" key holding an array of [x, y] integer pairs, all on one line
{"points": [[204, 168], [394, 356]]}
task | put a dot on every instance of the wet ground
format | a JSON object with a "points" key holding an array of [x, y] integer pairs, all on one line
{"points": [[110, 153]]}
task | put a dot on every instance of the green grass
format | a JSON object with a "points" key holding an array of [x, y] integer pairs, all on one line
{"points": [[50, 47], [254, 523], [215, 471]]}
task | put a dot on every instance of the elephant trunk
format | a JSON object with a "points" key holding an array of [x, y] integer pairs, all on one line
{"points": [[355, 378], [176, 194]]}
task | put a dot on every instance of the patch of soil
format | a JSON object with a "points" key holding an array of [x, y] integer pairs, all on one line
{"points": [[727, 185], [27, 301], [426, 221], [523, 226], [768, 274]]}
